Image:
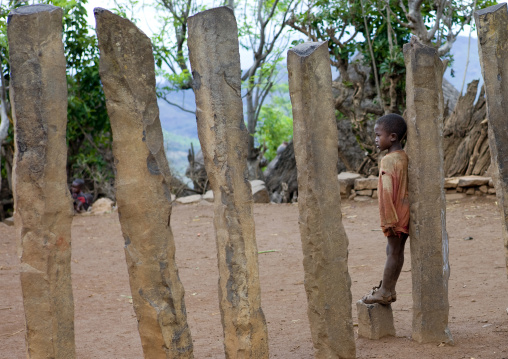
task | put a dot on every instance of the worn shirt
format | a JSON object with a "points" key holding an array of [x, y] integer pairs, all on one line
{"points": [[393, 193]]}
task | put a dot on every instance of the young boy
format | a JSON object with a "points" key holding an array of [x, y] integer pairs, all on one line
{"points": [[81, 200], [393, 204]]}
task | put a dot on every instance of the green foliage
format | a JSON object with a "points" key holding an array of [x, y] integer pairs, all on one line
{"points": [[88, 129], [275, 124]]}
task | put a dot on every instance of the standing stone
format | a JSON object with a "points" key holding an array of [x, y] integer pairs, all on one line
{"points": [[142, 187], [215, 61], [324, 240], [43, 204], [430, 269], [492, 28]]}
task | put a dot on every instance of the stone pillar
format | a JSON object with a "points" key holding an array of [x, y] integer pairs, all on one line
{"points": [[215, 61], [324, 240], [142, 187], [492, 31], [375, 321], [430, 269], [43, 204]]}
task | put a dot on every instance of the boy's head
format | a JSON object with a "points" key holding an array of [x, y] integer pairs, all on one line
{"points": [[77, 185], [390, 129]]}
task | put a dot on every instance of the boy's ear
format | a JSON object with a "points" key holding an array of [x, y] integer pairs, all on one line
{"points": [[393, 137]]}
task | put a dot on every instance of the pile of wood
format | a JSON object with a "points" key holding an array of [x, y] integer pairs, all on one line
{"points": [[465, 142]]}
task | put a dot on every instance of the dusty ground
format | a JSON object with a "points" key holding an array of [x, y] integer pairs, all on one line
{"points": [[106, 326]]}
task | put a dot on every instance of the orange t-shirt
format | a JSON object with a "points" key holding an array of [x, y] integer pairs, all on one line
{"points": [[393, 194]]}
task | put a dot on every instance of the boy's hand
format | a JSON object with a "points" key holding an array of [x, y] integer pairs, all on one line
{"points": [[390, 232]]}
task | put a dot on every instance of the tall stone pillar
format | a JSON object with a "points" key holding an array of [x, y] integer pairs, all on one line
{"points": [[430, 269], [43, 204], [142, 187], [324, 240], [215, 61], [492, 28]]}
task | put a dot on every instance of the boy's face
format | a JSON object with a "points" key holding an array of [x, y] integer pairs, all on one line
{"points": [[75, 188], [384, 140]]}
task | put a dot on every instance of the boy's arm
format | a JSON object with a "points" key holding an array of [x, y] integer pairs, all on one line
{"points": [[390, 216]]}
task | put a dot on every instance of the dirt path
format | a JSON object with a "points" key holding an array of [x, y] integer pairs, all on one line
{"points": [[106, 326]]}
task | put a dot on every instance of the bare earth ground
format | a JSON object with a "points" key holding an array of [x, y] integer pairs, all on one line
{"points": [[106, 327]]}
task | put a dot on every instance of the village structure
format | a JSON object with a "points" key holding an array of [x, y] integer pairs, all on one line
{"points": [[43, 206]]}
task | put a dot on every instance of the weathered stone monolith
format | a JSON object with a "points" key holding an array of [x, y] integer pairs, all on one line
{"points": [[430, 269], [43, 204], [142, 187], [215, 61], [492, 28], [324, 240]]}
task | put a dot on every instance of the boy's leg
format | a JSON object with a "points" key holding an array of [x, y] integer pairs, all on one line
{"points": [[394, 262], [393, 267]]}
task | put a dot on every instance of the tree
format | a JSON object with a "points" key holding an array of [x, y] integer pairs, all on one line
{"points": [[261, 30], [88, 130], [267, 41]]}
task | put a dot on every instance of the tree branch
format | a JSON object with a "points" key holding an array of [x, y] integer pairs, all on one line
{"points": [[176, 105]]}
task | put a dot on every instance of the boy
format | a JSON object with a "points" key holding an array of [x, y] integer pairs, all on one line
{"points": [[393, 204], [81, 200]]}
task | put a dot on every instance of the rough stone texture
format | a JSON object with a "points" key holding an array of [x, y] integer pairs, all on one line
{"points": [[430, 268], [374, 194], [195, 198], [375, 321], [484, 189], [472, 181], [259, 192], [366, 183], [215, 60], [491, 191], [492, 28], [102, 205], [347, 182], [142, 187], [43, 206], [324, 241], [451, 182]]}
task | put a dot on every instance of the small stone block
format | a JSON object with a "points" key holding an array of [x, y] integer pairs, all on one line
{"points": [[470, 191], [491, 191], [473, 181], [208, 196], [364, 192], [362, 198], [195, 198], [375, 321], [366, 183], [451, 182]]}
